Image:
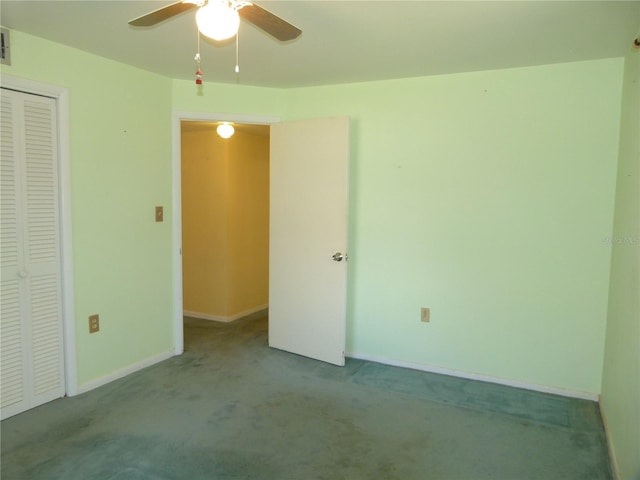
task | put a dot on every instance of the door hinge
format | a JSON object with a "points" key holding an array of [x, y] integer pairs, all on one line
{"points": [[5, 47]]}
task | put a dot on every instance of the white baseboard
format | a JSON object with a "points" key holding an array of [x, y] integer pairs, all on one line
{"points": [[475, 376], [615, 469], [218, 318], [86, 387]]}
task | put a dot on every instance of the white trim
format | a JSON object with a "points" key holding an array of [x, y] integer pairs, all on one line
{"points": [[219, 318], [176, 192], [476, 376], [613, 459], [176, 228], [61, 95], [128, 370]]}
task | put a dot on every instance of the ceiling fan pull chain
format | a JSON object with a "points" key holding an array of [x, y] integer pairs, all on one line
{"points": [[237, 54], [198, 75], [197, 59]]}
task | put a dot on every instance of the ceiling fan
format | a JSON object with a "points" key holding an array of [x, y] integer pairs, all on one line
{"points": [[225, 14]]}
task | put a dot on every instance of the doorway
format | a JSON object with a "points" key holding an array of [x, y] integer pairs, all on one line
{"points": [[318, 149], [178, 278], [225, 220]]}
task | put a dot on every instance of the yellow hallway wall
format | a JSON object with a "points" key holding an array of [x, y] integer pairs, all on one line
{"points": [[204, 221], [248, 222], [225, 223]]}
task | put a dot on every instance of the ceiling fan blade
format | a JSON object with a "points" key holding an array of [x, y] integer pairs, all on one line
{"points": [[162, 14], [269, 22]]}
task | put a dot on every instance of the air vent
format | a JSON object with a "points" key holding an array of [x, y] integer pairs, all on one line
{"points": [[5, 59]]}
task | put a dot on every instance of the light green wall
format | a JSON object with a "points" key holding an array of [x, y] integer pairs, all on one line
{"points": [[486, 197], [621, 374], [221, 98], [120, 133]]}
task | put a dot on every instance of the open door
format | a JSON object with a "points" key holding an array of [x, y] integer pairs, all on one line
{"points": [[308, 237]]}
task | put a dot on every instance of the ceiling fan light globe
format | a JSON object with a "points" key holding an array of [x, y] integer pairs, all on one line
{"points": [[217, 20]]}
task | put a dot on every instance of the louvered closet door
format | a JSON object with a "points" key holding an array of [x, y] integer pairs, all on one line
{"points": [[31, 303]]}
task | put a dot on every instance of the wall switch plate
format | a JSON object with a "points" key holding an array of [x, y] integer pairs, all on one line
{"points": [[425, 314], [94, 323], [159, 214]]}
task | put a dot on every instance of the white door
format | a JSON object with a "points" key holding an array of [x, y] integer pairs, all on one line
{"points": [[32, 370], [308, 237]]}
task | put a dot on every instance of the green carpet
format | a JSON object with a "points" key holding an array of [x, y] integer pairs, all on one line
{"points": [[232, 408], [537, 407]]}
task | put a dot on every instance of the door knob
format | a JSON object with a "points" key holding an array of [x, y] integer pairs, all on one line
{"points": [[338, 257], [23, 274]]}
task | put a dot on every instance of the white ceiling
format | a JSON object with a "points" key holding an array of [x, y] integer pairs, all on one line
{"points": [[343, 41]]}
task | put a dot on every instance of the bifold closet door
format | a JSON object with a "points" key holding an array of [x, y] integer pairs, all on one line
{"points": [[30, 294]]}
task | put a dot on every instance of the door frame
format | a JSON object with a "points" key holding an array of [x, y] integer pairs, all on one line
{"points": [[61, 97], [176, 201]]}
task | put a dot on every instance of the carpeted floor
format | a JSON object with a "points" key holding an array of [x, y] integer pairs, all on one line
{"points": [[232, 408]]}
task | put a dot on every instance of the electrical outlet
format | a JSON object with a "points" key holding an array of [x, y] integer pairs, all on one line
{"points": [[159, 214], [94, 323], [425, 314]]}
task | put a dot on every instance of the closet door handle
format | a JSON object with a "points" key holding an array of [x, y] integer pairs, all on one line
{"points": [[23, 274]]}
